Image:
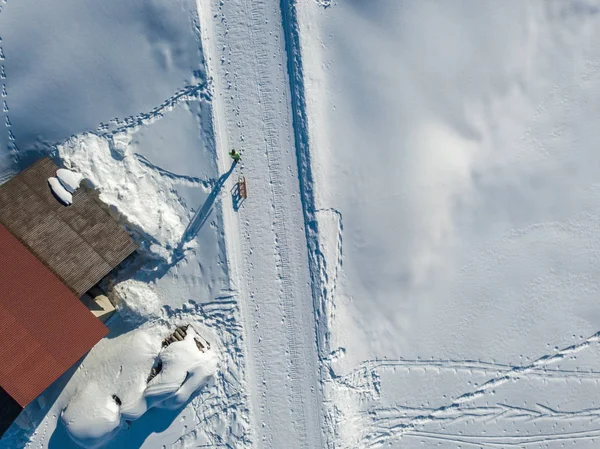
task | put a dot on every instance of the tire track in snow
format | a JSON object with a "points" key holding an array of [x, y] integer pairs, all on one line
{"points": [[253, 112], [381, 436], [279, 205]]}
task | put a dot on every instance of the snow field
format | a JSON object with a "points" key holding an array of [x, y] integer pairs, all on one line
{"points": [[457, 146], [109, 59]]}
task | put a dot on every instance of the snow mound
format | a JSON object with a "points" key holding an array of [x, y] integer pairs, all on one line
{"points": [[61, 193], [137, 301], [145, 198], [69, 179], [184, 370], [96, 412], [79, 415]]}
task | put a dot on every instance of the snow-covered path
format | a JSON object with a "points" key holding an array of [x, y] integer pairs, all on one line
{"points": [[266, 238]]}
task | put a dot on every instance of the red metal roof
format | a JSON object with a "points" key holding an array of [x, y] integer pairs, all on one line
{"points": [[44, 327]]}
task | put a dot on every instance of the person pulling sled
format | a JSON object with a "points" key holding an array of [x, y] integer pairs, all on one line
{"points": [[235, 156]]}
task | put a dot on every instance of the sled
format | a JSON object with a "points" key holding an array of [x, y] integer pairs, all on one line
{"points": [[243, 192]]}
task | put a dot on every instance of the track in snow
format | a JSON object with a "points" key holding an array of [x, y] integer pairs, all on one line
{"points": [[503, 441], [10, 137], [384, 433], [116, 126], [266, 240]]}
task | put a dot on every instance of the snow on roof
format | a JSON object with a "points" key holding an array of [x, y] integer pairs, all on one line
{"points": [[94, 415], [69, 179], [59, 190]]}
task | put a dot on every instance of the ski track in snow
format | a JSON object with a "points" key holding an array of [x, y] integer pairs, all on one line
{"points": [[501, 441], [354, 379], [392, 417], [384, 430]]}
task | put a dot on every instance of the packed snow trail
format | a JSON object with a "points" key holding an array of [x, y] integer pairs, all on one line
{"points": [[266, 240]]}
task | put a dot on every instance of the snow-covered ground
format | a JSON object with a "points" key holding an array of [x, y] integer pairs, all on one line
{"points": [[455, 164], [113, 394], [155, 149], [246, 49], [118, 91], [415, 264]]}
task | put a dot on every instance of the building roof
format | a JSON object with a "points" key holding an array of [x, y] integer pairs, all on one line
{"points": [[44, 328], [80, 243]]}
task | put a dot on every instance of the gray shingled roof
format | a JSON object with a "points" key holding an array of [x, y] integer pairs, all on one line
{"points": [[80, 243]]}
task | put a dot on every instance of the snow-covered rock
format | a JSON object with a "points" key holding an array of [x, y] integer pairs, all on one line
{"points": [[91, 423], [93, 415], [69, 179], [60, 191], [184, 370]]}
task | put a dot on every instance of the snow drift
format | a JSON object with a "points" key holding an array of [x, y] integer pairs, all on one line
{"points": [[139, 193], [138, 302], [96, 412]]}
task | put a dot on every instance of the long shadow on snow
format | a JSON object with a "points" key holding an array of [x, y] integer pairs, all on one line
{"points": [[192, 230], [148, 268], [202, 214]]}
